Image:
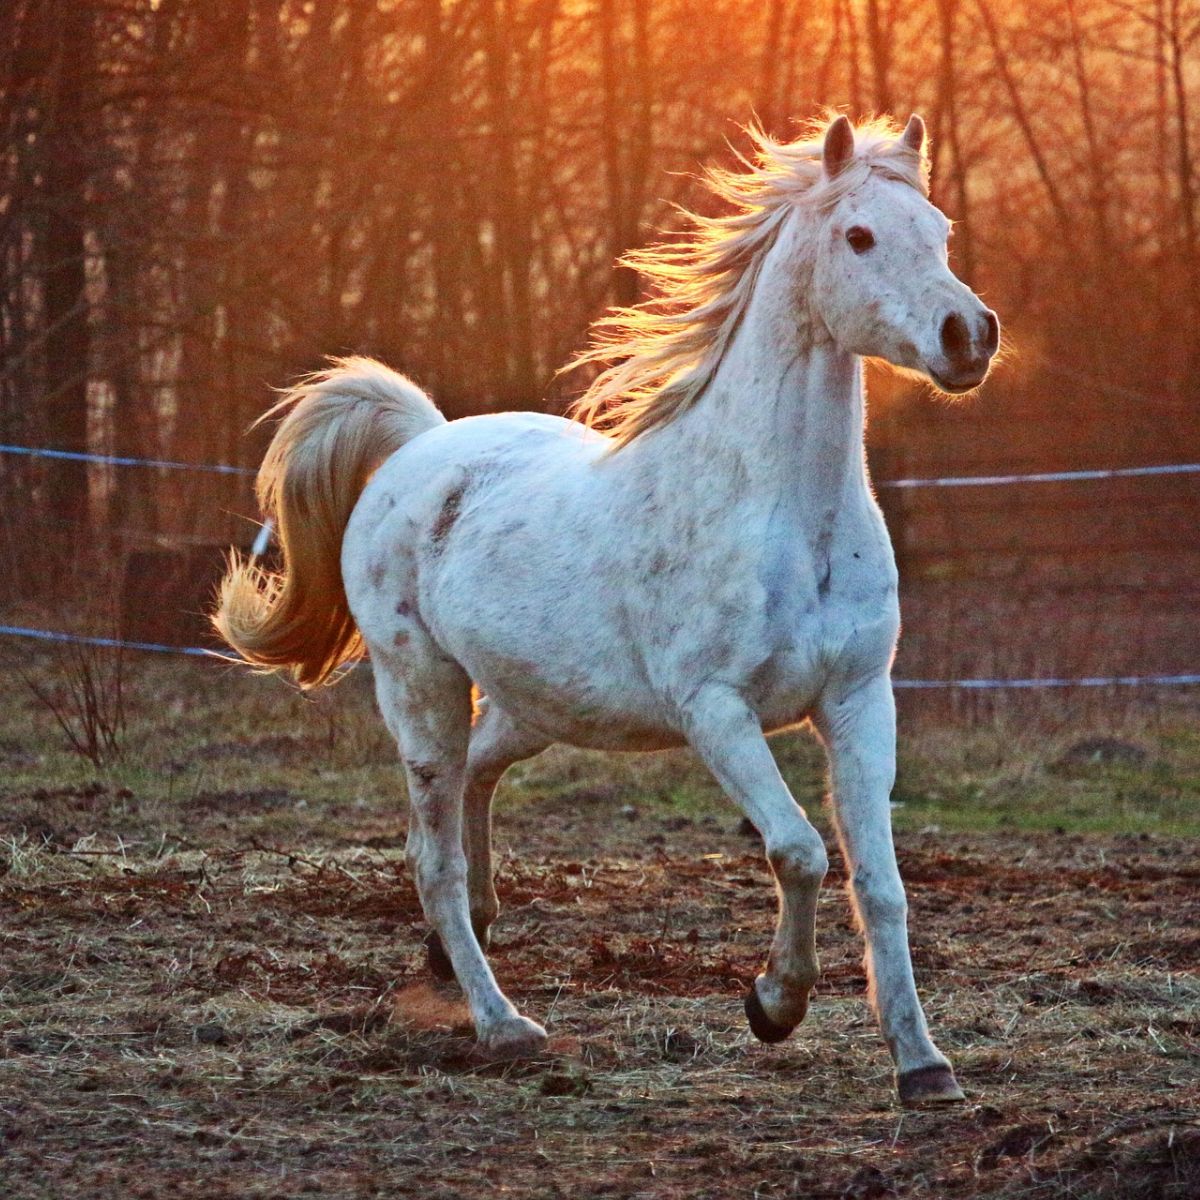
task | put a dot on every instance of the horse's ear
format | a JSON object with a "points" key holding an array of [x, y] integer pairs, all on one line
{"points": [[914, 134], [839, 146]]}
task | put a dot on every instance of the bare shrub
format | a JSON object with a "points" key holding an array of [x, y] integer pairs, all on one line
{"points": [[86, 696]]}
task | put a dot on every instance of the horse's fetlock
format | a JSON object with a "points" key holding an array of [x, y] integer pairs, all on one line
{"points": [[483, 916], [796, 978]]}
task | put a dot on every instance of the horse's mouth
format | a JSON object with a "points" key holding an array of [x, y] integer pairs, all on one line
{"points": [[958, 385]]}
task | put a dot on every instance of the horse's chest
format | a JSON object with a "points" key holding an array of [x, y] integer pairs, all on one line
{"points": [[777, 609], [831, 610]]}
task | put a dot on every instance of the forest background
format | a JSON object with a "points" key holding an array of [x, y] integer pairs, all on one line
{"points": [[199, 201]]}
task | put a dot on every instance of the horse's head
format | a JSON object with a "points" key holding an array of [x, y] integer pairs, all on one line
{"points": [[882, 283]]}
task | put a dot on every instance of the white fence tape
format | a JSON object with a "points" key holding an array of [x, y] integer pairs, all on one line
{"points": [[78, 639], [116, 460], [1044, 477], [1084, 681], [943, 481]]}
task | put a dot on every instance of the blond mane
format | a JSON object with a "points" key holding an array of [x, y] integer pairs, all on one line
{"points": [[660, 354]]}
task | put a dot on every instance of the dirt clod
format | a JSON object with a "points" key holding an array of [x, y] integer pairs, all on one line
{"points": [[1019, 1142]]}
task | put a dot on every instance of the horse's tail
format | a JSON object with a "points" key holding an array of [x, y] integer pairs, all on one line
{"points": [[338, 426]]}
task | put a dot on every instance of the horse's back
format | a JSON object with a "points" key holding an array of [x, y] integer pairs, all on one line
{"points": [[476, 444], [452, 502], [417, 498]]}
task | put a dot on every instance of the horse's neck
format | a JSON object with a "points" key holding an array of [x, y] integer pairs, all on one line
{"points": [[783, 415], [796, 415]]}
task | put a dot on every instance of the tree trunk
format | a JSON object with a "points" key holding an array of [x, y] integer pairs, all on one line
{"points": [[1097, 166], [946, 129], [771, 60], [614, 143], [64, 283], [1021, 115], [1186, 185], [510, 215], [879, 44], [850, 21]]}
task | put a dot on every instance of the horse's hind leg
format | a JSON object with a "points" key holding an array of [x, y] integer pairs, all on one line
{"points": [[726, 734], [496, 743], [426, 702]]}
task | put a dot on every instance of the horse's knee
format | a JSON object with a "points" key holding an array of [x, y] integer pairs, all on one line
{"points": [[799, 860], [439, 870], [439, 874], [879, 901]]}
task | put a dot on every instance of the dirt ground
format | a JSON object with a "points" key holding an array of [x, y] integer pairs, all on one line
{"points": [[217, 1014]]}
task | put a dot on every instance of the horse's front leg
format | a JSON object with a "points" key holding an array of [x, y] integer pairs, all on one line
{"points": [[858, 726], [726, 733]]}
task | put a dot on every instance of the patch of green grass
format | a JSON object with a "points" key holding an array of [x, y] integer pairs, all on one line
{"points": [[226, 753], [998, 778]]}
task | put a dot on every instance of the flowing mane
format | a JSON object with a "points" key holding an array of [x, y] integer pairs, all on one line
{"points": [[661, 353]]}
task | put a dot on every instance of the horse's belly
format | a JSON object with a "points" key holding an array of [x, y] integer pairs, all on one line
{"points": [[579, 712]]}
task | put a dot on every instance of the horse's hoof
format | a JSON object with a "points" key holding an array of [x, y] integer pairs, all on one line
{"points": [[761, 1025], [437, 958], [928, 1085], [517, 1037]]}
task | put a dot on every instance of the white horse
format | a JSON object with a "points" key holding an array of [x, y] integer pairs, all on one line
{"points": [[713, 569]]}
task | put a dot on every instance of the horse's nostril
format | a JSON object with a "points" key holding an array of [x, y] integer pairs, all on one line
{"points": [[956, 338], [991, 339]]}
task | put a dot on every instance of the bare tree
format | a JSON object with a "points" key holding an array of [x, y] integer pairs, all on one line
{"points": [[198, 200], [947, 130], [67, 35]]}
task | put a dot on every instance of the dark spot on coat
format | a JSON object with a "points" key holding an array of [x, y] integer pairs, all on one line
{"points": [[426, 774], [403, 608], [448, 515], [377, 572], [823, 582]]}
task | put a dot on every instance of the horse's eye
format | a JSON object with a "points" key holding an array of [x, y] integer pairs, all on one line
{"points": [[860, 239]]}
